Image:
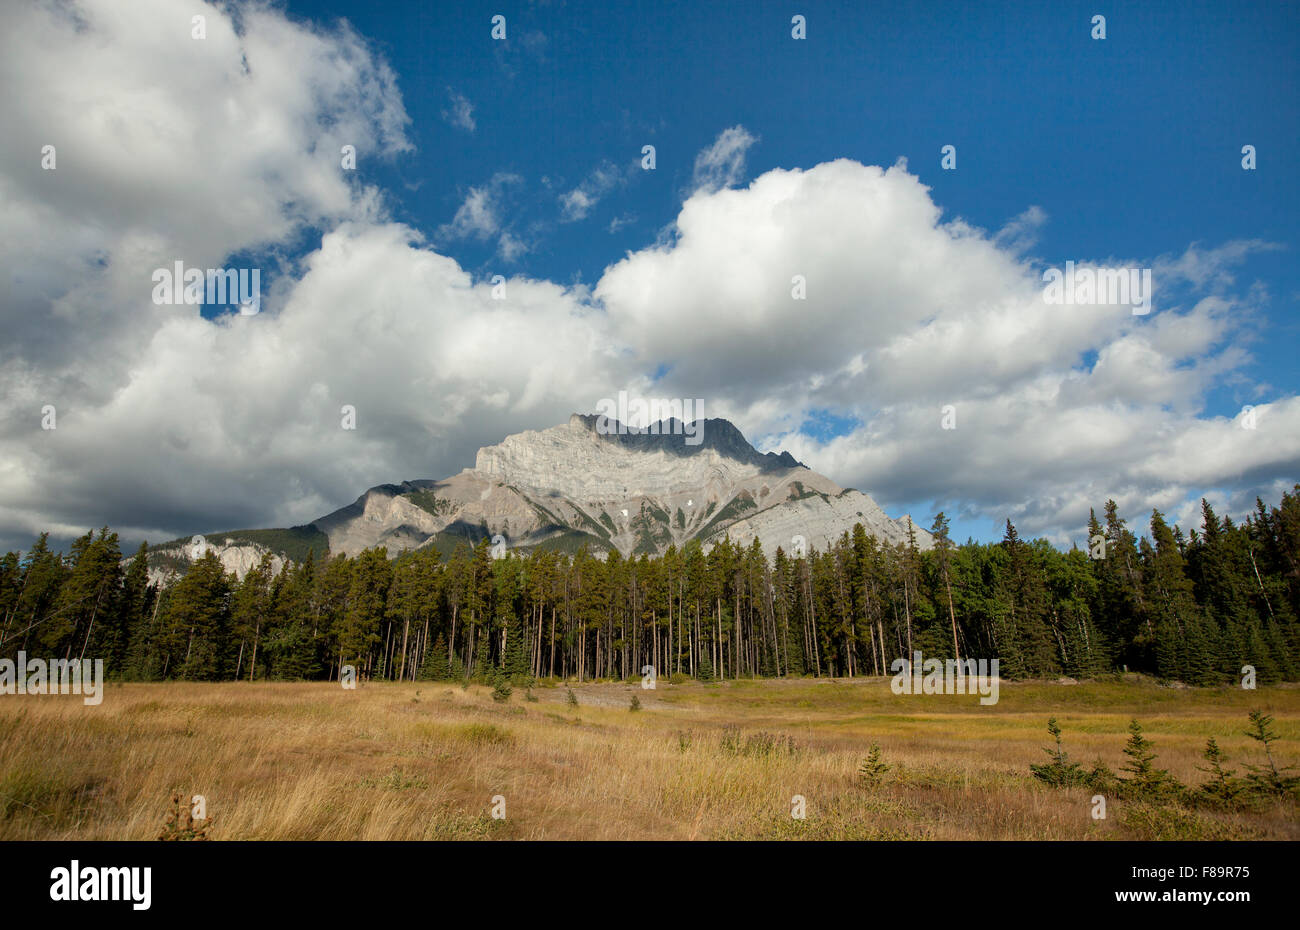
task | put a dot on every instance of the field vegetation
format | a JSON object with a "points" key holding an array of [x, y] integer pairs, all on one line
{"points": [[722, 760]]}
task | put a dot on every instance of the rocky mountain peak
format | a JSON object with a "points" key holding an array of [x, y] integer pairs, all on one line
{"points": [[595, 482], [680, 438]]}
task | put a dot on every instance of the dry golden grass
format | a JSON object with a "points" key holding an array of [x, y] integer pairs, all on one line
{"points": [[425, 760]]}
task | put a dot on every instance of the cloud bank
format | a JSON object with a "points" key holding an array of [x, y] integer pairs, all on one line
{"points": [[171, 423]]}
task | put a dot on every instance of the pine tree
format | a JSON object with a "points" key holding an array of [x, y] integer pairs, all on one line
{"points": [[483, 669], [1182, 639], [1060, 772], [943, 557], [436, 667], [704, 668], [501, 689], [517, 658], [872, 770], [86, 616], [195, 631], [1222, 786], [251, 606], [1195, 608], [1120, 610], [1268, 779], [294, 639], [358, 630], [136, 605], [1145, 781], [1027, 647]]}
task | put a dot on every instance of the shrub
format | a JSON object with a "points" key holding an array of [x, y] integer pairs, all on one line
{"points": [[1102, 779], [1223, 787], [181, 825], [758, 745], [872, 769], [1268, 780], [396, 780], [1060, 772], [486, 734], [501, 691], [1145, 781]]}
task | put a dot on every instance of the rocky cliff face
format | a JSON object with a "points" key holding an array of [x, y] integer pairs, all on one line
{"points": [[169, 560], [578, 461], [593, 482]]}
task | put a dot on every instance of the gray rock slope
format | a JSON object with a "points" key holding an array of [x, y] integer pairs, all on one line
{"points": [[631, 491], [587, 482]]}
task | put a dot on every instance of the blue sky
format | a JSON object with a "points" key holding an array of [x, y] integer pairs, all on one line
{"points": [[1132, 143], [523, 158]]}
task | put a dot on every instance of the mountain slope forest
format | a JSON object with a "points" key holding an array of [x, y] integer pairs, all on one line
{"points": [[1194, 608]]}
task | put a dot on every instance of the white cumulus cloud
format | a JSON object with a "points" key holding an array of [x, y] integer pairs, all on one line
{"points": [[170, 423]]}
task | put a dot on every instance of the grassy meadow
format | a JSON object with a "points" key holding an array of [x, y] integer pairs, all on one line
{"points": [[424, 760]]}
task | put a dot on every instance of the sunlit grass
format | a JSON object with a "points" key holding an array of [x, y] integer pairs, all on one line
{"points": [[726, 760]]}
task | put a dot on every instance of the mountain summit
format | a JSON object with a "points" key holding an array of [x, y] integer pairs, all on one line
{"points": [[597, 482]]}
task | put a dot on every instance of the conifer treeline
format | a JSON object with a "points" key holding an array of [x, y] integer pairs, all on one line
{"points": [[1194, 608]]}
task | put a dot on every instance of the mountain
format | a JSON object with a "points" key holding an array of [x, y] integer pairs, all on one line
{"points": [[590, 481]]}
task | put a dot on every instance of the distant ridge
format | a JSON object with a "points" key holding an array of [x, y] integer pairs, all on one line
{"points": [[591, 481]]}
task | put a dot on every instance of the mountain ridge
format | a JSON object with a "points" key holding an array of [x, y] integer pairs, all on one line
{"points": [[591, 481]]}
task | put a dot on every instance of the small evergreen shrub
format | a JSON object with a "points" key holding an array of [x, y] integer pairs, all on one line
{"points": [[1060, 772], [872, 769]]}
